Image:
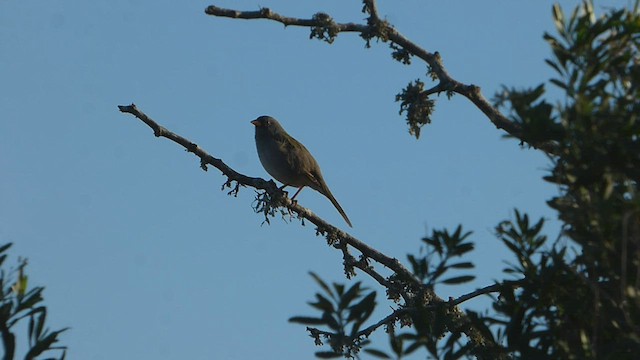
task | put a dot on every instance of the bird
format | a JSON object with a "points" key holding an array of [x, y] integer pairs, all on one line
{"points": [[289, 162]]}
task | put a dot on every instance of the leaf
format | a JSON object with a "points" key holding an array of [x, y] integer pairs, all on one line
{"points": [[305, 320], [331, 322], [413, 347], [349, 296], [554, 66], [558, 17], [31, 327], [323, 304], [459, 279], [377, 353], [40, 322], [30, 299], [479, 324], [20, 286], [4, 247], [559, 84], [362, 310], [328, 354], [462, 265], [322, 284], [5, 311], [462, 249], [396, 345], [44, 344]]}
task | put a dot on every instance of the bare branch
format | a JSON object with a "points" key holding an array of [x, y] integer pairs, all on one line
{"points": [[382, 30], [387, 320], [331, 232], [404, 278], [483, 291], [266, 13], [372, 8]]}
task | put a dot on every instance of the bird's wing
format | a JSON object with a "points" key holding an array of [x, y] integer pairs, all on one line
{"points": [[302, 161]]}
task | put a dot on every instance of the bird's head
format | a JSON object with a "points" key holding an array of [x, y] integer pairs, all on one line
{"points": [[268, 124]]}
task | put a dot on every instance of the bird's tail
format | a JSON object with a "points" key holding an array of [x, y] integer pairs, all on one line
{"points": [[326, 192]]}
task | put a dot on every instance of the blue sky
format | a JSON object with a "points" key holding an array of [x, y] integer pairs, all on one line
{"points": [[141, 253]]}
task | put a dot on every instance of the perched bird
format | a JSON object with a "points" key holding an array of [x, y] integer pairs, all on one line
{"points": [[288, 161]]}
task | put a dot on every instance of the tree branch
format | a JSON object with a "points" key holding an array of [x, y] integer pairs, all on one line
{"points": [[382, 30], [387, 320], [484, 290], [266, 13], [402, 281], [332, 233]]}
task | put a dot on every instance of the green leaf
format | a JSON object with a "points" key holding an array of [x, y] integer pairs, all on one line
{"points": [[322, 284], [558, 17], [328, 355], [377, 353], [554, 66], [4, 247], [331, 321], [462, 249], [396, 345], [30, 299], [349, 296], [44, 344], [459, 279], [559, 84], [323, 304], [5, 311], [363, 309], [307, 320], [39, 328], [479, 324], [462, 265], [413, 347]]}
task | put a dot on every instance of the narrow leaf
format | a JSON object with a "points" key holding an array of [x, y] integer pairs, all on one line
{"points": [[459, 279], [307, 320]]}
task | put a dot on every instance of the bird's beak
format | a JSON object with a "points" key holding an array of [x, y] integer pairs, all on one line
{"points": [[256, 123]]}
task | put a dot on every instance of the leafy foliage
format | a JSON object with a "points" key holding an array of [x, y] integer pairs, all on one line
{"points": [[343, 312], [585, 305], [17, 302], [327, 31], [577, 297], [444, 247], [414, 101]]}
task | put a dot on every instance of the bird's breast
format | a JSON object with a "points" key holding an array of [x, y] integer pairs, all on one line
{"points": [[275, 159]]}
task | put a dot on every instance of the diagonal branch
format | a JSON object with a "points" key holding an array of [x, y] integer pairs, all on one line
{"points": [[331, 232], [388, 320], [266, 13], [485, 290], [403, 281], [382, 30]]}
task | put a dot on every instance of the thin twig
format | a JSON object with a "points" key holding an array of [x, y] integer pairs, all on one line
{"points": [[485, 290], [323, 227], [387, 320], [386, 32], [332, 233]]}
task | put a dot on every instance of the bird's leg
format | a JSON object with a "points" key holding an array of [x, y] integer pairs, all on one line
{"points": [[297, 192], [292, 200]]}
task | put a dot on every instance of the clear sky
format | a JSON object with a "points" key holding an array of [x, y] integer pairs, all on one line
{"points": [[141, 253]]}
